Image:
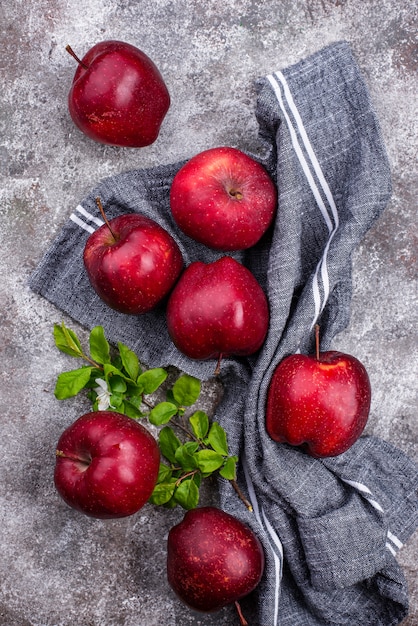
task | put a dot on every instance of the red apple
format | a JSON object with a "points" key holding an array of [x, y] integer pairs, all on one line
{"points": [[118, 95], [106, 465], [320, 402], [217, 309], [223, 199], [132, 263], [213, 559]]}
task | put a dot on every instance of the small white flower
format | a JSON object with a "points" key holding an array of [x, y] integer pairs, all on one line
{"points": [[103, 394]]}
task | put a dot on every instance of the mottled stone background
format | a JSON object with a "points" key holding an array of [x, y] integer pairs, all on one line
{"points": [[56, 566]]}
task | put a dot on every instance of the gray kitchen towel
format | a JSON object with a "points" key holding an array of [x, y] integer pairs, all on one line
{"points": [[330, 528]]}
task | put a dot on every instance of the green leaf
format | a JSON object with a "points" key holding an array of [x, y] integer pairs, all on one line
{"points": [[118, 409], [170, 396], [152, 379], [191, 447], [117, 362], [229, 470], [186, 390], [67, 341], [162, 413], [131, 410], [95, 373], [134, 398], [164, 473], [129, 361], [163, 492], [187, 494], [200, 424], [168, 443], [217, 439], [117, 401], [209, 461], [185, 456], [110, 371], [69, 384], [99, 346], [117, 384]]}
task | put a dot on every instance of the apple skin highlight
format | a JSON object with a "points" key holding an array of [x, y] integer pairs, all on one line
{"points": [[213, 559], [133, 266], [118, 96], [320, 403], [106, 465], [224, 199], [217, 309]]}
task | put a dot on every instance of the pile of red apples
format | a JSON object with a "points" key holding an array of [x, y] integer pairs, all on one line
{"points": [[107, 464]]}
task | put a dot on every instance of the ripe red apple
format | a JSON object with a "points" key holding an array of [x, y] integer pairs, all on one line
{"points": [[132, 263], [217, 309], [118, 95], [106, 465], [321, 402], [213, 559], [223, 199]]}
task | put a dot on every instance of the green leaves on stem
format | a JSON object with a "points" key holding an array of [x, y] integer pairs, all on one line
{"points": [[188, 463], [115, 380]]}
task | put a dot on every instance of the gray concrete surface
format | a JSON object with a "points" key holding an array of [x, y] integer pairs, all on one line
{"points": [[56, 566]]}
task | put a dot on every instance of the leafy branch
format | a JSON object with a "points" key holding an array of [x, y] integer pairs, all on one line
{"points": [[115, 380]]}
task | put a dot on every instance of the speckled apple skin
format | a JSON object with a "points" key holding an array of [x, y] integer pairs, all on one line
{"points": [[213, 559], [224, 199], [121, 98], [106, 465], [133, 273], [322, 404], [217, 309]]}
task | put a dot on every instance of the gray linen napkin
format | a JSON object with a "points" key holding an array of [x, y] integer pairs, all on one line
{"points": [[330, 528]]}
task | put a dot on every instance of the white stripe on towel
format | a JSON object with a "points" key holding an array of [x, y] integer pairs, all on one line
{"points": [[273, 539], [393, 541], [80, 223], [367, 495], [89, 217], [277, 82]]}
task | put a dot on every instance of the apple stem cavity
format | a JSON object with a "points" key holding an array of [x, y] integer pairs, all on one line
{"points": [[73, 54], [101, 209], [242, 619], [317, 341], [64, 455], [236, 194]]}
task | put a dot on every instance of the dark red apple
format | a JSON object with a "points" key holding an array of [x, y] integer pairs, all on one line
{"points": [[319, 402], [106, 465], [213, 559], [217, 309], [132, 263], [118, 95], [224, 199]]}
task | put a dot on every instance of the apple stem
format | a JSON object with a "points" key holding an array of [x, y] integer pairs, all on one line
{"points": [[241, 495], [317, 341], [101, 209], [184, 476], [73, 54], [242, 619], [235, 193], [218, 365], [63, 455]]}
